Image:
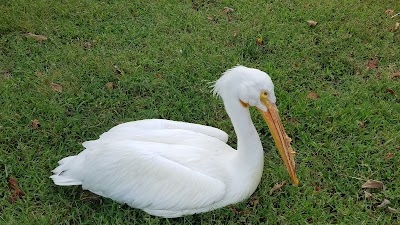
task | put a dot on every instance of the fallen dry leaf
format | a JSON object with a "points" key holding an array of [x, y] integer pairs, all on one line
{"points": [[384, 204], [37, 37], [228, 10], [35, 124], [110, 85], [392, 210], [312, 23], [56, 87], [372, 63], [158, 75], [312, 95], [361, 124], [277, 187], [389, 156], [88, 44], [254, 201], [16, 192], [210, 18], [260, 41], [12, 183], [396, 27], [395, 75], [388, 90], [373, 184], [317, 189], [235, 34], [368, 195], [389, 12]]}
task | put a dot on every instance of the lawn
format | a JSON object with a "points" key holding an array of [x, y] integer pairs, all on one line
{"points": [[337, 86]]}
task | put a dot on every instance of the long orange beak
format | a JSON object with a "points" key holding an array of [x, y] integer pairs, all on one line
{"points": [[282, 141]]}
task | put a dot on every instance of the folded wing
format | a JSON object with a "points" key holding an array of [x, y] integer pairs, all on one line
{"points": [[128, 172]]}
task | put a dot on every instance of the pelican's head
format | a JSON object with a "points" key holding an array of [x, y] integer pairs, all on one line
{"points": [[253, 87]]}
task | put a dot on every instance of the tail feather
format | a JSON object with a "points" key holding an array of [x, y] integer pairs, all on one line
{"points": [[65, 181], [59, 178]]}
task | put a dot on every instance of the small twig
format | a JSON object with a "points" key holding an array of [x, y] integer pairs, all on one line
{"points": [[395, 15]]}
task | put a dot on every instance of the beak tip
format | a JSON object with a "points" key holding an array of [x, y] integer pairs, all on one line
{"points": [[296, 182]]}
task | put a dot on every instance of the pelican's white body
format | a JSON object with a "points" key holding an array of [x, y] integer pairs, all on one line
{"points": [[170, 168]]}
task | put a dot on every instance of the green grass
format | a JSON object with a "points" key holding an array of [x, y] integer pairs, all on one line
{"points": [[178, 41]]}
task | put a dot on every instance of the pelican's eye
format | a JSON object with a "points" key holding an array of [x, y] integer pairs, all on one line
{"points": [[264, 95]]}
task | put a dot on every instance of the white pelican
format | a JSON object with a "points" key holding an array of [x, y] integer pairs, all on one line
{"points": [[170, 169]]}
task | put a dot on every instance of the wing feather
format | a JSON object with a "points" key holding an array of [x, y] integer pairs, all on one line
{"points": [[166, 136], [160, 124], [128, 172]]}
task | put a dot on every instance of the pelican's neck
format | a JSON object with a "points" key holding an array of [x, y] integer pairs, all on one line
{"points": [[248, 142], [248, 162]]}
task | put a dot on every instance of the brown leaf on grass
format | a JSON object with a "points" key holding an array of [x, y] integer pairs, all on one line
{"points": [[12, 183], [228, 10], [361, 124], [56, 87], [37, 37], [312, 23], [395, 75], [312, 95], [277, 187], [384, 204], [389, 12], [260, 41], [35, 124], [373, 184], [110, 85], [211, 18], [16, 192], [395, 27], [368, 195], [388, 90], [372, 63], [88, 44], [254, 201], [158, 75], [389, 156], [392, 210], [317, 189]]}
